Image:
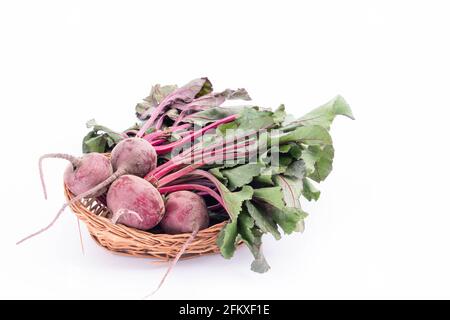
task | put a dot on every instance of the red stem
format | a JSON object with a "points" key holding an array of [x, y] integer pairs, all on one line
{"points": [[176, 161], [164, 170], [215, 207], [198, 187], [154, 135], [169, 147], [180, 117], [163, 133], [198, 146], [155, 113], [158, 142], [160, 121], [193, 180], [198, 161], [212, 149], [216, 182], [180, 127], [176, 175]]}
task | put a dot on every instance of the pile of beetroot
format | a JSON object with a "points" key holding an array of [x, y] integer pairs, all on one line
{"points": [[191, 162]]}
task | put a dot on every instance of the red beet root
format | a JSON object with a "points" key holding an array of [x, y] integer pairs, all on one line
{"points": [[185, 212], [92, 169], [133, 156], [135, 202]]}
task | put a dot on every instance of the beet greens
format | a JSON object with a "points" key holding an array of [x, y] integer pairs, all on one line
{"points": [[259, 192]]}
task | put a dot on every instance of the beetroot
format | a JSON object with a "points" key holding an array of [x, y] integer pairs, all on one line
{"points": [[133, 156], [92, 169], [83, 173], [135, 202], [185, 212]]}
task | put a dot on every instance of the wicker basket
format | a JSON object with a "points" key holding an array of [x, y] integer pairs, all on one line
{"points": [[123, 240]]}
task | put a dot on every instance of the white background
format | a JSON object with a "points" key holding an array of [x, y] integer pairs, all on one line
{"points": [[382, 226]]}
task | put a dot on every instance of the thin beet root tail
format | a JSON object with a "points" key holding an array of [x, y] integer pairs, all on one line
{"points": [[121, 212], [47, 227], [88, 193], [72, 159], [81, 237], [174, 261]]}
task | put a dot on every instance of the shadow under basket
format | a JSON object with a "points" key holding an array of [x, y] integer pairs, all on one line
{"points": [[128, 241]]}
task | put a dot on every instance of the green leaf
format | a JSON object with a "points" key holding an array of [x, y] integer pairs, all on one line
{"points": [[295, 151], [279, 115], [218, 174], [310, 192], [260, 264], [277, 156], [245, 226], [251, 236], [318, 162], [300, 226], [115, 136], [310, 135], [274, 170], [241, 175], [207, 116], [285, 161], [252, 119], [206, 88], [234, 200], [287, 218], [285, 148], [296, 169], [324, 115], [291, 188], [99, 142], [93, 142], [227, 239], [309, 157], [264, 179], [271, 195], [263, 221]]}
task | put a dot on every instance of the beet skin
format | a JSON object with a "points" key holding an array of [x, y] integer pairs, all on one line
{"points": [[135, 202], [186, 212]]}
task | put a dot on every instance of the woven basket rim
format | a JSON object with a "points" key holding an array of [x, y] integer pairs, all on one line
{"points": [[125, 228]]}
